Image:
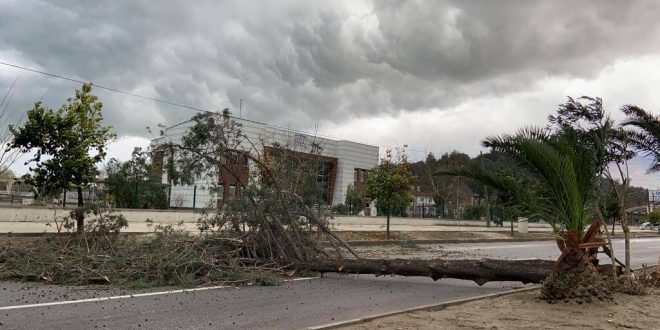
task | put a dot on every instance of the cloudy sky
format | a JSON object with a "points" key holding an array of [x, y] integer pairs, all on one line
{"points": [[435, 75]]}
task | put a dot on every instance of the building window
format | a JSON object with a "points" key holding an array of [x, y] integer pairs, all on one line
{"points": [[356, 175], [221, 191], [232, 191], [323, 173]]}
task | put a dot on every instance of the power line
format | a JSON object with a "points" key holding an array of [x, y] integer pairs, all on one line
{"points": [[171, 103], [104, 87]]}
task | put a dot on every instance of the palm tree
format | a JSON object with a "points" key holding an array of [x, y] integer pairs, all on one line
{"points": [[647, 136], [560, 188]]}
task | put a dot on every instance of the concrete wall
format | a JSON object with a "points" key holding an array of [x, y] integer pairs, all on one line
{"points": [[47, 214]]}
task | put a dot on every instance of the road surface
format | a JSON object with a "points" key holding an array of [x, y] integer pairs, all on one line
{"points": [[296, 304], [645, 250]]}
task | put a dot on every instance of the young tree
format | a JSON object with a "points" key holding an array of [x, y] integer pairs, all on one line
{"points": [[67, 145], [390, 183]]}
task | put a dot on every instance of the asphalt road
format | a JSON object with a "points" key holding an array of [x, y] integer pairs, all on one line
{"points": [[293, 305], [644, 250], [296, 304]]}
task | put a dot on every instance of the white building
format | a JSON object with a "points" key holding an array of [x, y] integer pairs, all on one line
{"points": [[345, 162]]}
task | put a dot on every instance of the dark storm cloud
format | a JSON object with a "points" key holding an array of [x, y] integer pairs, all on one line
{"points": [[304, 61]]}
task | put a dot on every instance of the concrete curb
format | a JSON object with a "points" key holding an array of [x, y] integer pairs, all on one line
{"points": [[419, 308]]}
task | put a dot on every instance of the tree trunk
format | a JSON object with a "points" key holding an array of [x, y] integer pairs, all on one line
{"points": [[626, 236], [80, 215], [487, 207], [387, 230], [610, 246], [480, 271]]}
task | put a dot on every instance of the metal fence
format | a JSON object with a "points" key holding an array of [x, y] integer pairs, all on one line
{"points": [[191, 197], [423, 211]]}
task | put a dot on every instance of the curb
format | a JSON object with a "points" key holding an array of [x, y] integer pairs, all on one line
{"points": [[419, 308]]}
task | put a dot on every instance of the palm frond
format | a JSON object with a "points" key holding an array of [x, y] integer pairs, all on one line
{"points": [[647, 136], [564, 169]]}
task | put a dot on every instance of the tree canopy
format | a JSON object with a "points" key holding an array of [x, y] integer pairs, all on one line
{"points": [[390, 183], [67, 144]]}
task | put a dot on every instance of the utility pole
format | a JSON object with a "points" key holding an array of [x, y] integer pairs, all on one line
{"points": [[648, 202], [481, 156], [240, 109]]}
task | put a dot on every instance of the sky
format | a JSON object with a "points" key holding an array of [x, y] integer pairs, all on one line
{"points": [[434, 75]]}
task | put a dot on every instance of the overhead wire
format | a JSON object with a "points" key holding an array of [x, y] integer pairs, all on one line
{"points": [[116, 90]]}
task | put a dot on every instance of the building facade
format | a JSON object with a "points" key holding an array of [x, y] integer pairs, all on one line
{"points": [[341, 163]]}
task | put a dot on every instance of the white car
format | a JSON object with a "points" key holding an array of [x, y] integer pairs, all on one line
{"points": [[646, 225]]}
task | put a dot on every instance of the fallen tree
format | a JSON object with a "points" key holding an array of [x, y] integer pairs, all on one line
{"points": [[479, 271]]}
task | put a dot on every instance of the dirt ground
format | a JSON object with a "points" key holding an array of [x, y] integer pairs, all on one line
{"points": [[525, 311]]}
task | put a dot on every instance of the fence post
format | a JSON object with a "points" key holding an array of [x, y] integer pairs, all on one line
{"points": [[194, 196]]}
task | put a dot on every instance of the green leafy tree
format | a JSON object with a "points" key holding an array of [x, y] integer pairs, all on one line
{"points": [[654, 217], [610, 209], [390, 184], [136, 182], [354, 200], [67, 144]]}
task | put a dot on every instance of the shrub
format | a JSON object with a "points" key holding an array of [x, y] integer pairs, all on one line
{"points": [[654, 217]]}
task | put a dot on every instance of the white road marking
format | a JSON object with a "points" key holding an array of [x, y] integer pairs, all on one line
{"points": [[137, 295]]}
